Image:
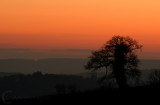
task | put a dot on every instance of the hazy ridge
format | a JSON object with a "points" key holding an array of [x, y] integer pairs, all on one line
{"points": [[58, 65]]}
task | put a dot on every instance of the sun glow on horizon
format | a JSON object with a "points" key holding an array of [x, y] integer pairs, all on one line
{"points": [[78, 24]]}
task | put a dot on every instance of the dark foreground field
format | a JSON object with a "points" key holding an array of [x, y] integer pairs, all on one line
{"points": [[128, 96]]}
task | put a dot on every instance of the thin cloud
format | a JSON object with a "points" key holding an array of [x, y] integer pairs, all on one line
{"points": [[14, 50], [72, 50]]}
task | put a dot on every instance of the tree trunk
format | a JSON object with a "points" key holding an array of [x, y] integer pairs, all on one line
{"points": [[119, 70]]}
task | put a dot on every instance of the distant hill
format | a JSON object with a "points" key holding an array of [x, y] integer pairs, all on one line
{"points": [[58, 65], [4, 74], [149, 64]]}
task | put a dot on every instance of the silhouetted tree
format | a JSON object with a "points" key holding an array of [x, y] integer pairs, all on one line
{"points": [[117, 55]]}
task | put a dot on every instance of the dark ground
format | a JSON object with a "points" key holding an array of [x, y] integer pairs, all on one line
{"points": [[137, 95]]}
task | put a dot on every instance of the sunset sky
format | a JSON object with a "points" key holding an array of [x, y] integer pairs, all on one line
{"points": [[71, 28]]}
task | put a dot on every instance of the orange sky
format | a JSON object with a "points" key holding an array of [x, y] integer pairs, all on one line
{"points": [[79, 24]]}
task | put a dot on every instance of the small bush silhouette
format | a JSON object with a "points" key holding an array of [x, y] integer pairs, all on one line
{"points": [[37, 74], [65, 89], [154, 77], [61, 88]]}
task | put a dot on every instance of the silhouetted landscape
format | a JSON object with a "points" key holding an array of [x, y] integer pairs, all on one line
{"points": [[79, 52], [38, 88], [113, 72]]}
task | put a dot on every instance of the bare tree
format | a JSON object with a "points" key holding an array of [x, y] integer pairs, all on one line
{"points": [[118, 55]]}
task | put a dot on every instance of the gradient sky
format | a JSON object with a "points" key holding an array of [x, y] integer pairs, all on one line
{"points": [[65, 25]]}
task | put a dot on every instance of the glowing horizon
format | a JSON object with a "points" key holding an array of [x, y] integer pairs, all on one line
{"points": [[78, 24]]}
